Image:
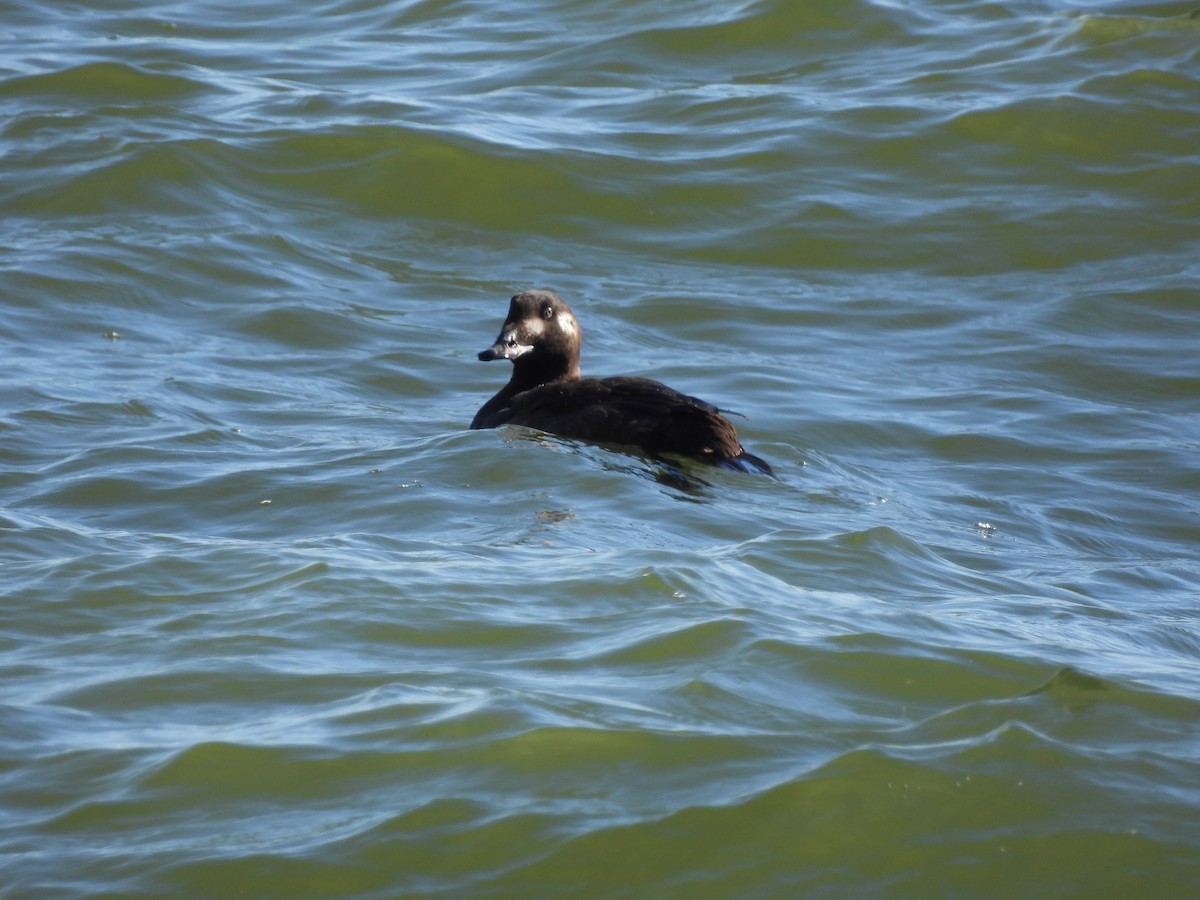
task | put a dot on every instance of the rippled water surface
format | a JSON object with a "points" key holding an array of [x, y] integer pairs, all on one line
{"points": [[274, 622]]}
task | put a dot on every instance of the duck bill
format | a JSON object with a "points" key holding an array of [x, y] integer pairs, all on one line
{"points": [[504, 349], [496, 351]]}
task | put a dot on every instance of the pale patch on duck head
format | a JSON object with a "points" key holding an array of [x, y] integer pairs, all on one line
{"points": [[537, 321]]}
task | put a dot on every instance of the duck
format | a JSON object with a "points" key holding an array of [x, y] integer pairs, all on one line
{"points": [[547, 392]]}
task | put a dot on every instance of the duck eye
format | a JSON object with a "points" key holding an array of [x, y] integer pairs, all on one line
{"points": [[511, 342], [547, 312]]}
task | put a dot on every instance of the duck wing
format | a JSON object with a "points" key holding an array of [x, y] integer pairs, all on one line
{"points": [[625, 410]]}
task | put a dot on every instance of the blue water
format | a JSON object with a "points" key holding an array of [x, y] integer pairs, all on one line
{"points": [[275, 622]]}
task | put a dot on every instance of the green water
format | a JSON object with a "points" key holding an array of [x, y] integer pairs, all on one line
{"points": [[275, 623]]}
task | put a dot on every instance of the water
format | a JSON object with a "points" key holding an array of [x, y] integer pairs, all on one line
{"points": [[275, 623]]}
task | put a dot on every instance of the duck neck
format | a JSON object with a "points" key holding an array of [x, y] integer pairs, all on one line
{"points": [[530, 372]]}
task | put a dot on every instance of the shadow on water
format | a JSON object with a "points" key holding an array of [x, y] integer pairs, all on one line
{"points": [[684, 477]]}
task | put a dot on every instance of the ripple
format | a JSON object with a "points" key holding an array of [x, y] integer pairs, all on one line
{"points": [[107, 81], [274, 615]]}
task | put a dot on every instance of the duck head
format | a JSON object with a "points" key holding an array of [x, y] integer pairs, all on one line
{"points": [[540, 333]]}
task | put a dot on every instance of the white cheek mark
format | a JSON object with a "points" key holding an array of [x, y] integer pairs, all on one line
{"points": [[512, 344]]}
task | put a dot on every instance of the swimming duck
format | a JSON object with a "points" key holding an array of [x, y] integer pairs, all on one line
{"points": [[546, 391]]}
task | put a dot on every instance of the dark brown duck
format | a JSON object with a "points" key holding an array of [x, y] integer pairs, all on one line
{"points": [[546, 392]]}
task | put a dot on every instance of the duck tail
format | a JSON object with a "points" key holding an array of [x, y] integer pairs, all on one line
{"points": [[749, 463]]}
